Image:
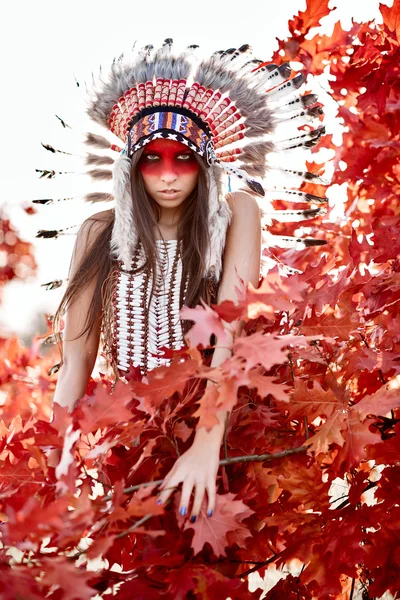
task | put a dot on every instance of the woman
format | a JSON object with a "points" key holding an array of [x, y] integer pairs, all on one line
{"points": [[174, 237]]}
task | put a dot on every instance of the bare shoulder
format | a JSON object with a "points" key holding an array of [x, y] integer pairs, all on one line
{"points": [[243, 204]]}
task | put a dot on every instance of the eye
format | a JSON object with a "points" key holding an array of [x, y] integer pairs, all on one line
{"points": [[184, 157], [151, 157]]}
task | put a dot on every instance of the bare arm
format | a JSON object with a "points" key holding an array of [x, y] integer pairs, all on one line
{"points": [[197, 467], [242, 254], [79, 353]]}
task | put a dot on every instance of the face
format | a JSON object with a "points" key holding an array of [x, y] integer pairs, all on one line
{"points": [[169, 170]]}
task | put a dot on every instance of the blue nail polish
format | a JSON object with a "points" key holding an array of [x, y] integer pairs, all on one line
{"points": [[192, 518], [183, 511], [159, 501], [209, 513]]}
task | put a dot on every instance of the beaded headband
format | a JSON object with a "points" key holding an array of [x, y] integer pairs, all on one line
{"points": [[173, 124]]}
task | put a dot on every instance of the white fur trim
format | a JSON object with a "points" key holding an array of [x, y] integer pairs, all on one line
{"points": [[124, 235]]}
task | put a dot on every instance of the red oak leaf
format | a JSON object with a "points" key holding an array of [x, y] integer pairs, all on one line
{"points": [[62, 573], [163, 382], [265, 349], [257, 420], [357, 436], [387, 452], [223, 527], [305, 485], [381, 402], [182, 431], [329, 433], [266, 385], [19, 582], [276, 293], [100, 546], [311, 402], [207, 322], [391, 17], [329, 325], [104, 409], [305, 20]]}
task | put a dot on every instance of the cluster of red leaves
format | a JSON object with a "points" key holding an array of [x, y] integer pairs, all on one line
{"points": [[315, 382], [16, 258]]}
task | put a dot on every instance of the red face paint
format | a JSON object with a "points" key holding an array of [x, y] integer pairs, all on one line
{"points": [[167, 158]]}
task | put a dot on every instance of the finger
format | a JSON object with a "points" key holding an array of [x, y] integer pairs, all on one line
{"points": [[185, 498], [198, 500], [212, 494], [168, 476], [171, 485]]}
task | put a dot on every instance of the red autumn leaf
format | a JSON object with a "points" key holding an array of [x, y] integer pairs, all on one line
{"points": [[104, 409], [329, 325], [305, 485], [163, 382], [223, 527], [357, 436], [73, 582], [305, 20], [258, 420], [142, 503], [266, 385], [381, 402], [206, 323], [18, 583], [328, 433], [182, 431], [312, 402], [100, 546], [386, 244], [391, 17], [388, 451], [265, 349]]}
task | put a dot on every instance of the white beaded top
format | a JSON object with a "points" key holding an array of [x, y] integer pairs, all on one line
{"points": [[142, 327]]}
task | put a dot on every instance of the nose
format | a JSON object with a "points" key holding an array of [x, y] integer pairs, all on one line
{"points": [[168, 173]]}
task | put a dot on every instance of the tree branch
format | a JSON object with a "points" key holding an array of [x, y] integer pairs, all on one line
{"points": [[225, 461]]}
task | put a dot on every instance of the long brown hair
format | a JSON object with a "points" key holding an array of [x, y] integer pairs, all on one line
{"points": [[192, 231]]}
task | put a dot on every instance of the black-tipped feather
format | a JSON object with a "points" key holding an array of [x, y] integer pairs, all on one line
{"points": [[52, 285], [63, 123], [54, 150]]}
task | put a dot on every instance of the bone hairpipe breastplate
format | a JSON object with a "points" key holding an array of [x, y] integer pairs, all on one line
{"points": [[141, 327]]}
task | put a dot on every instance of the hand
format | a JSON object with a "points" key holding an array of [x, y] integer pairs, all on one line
{"points": [[197, 468]]}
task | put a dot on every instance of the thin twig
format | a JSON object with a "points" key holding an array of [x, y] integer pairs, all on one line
{"points": [[259, 566], [134, 526], [306, 426], [291, 364], [263, 457], [370, 486]]}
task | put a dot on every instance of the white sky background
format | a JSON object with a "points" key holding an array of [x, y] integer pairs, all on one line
{"points": [[43, 46]]}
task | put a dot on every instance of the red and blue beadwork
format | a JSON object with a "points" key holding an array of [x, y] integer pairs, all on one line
{"points": [[177, 125]]}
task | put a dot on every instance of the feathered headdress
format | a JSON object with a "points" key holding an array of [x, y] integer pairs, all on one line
{"points": [[228, 109]]}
